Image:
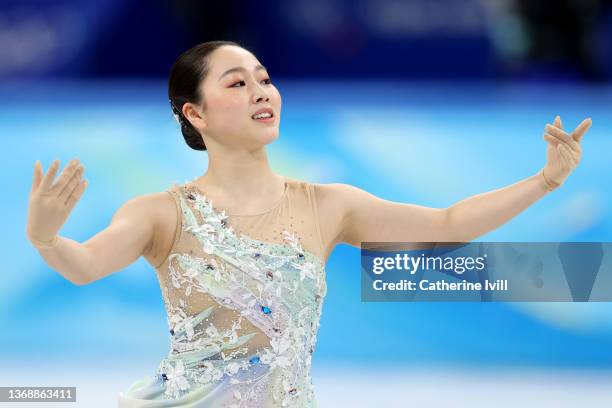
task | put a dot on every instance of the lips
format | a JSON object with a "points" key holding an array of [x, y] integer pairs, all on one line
{"points": [[268, 110]]}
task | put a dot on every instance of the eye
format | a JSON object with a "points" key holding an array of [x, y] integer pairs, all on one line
{"points": [[268, 81]]}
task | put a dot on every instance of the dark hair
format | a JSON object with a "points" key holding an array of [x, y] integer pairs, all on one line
{"points": [[189, 70]]}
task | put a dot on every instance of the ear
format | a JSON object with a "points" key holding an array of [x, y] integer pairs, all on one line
{"points": [[194, 115]]}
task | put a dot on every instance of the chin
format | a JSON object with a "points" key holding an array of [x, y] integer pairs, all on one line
{"points": [[272, 137], [268, 138]]}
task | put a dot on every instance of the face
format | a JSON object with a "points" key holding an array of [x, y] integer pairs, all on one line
{"points": [[233, 97]]}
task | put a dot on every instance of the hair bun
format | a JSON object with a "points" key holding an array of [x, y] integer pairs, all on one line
{"points": [[192, 137]]}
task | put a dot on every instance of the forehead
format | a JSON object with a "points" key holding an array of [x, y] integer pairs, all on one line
{"points": [[230, 56]]}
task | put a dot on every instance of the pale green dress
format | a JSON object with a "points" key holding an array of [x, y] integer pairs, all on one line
{"points": [[243, 295]]}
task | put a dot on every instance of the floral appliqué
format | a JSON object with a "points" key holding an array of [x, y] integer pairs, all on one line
{"points": [[278, 288]]}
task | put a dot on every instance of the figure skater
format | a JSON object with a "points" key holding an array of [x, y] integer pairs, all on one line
{"points": [[240, 251]]}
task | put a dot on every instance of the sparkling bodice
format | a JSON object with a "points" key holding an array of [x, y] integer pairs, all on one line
{"points": [[243, 296]]}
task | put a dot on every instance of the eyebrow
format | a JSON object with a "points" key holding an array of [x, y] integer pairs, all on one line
{"points": [[241, 69]]}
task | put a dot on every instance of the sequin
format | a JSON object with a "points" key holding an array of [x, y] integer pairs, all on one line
{"points": [[276, 288]]}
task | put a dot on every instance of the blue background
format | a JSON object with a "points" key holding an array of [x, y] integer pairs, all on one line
{"points": [[427, 117]]}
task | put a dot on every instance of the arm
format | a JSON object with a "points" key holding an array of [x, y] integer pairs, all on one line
{"points": [[128, 236], [477, 215], [368, 218], [365, 217], [353, 215]]}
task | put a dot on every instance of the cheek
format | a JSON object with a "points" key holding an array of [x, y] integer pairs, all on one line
{"points": [[277, 97], [231, 104], [229, 108]]}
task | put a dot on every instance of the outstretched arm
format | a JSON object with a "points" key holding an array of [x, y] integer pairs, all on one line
{"points": [[129, 235], [477, 215], [365, 217]]}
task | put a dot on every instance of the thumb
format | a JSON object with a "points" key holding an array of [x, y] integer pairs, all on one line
{"points": [[582, 128], [558, 122]]}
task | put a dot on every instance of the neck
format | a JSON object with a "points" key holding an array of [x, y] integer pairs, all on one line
{"points": [[240, 175]]}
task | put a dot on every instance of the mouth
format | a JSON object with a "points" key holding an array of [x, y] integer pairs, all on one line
{"points": [[265, 115]]}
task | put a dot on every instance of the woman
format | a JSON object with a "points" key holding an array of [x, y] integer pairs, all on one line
{"points": [[240, 251]]}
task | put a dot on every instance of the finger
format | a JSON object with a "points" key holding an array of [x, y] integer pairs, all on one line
{"points": [[74, 181], [573, 157], [48, 178], [557, 122], [76, 194], [37, 178], [65, 178], [581, 130], [563, 159], [567, 157], [563, 136], [551, 139]]}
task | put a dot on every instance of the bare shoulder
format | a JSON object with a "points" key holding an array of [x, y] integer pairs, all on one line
{"points": [[148, 207], [337, 191], [159, 211], [333, 202], [337, 200]]}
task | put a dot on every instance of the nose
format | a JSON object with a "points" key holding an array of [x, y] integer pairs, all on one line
{"points": [[260, 94], [259, 97]]}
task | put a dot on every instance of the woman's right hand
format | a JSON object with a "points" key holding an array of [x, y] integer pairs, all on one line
{"points": [[50, 204]]}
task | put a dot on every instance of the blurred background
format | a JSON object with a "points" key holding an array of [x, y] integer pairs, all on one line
{"points": [[420, 101]]}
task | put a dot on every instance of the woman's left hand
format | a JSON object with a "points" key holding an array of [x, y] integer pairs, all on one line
{"points": [[564, 150]]}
